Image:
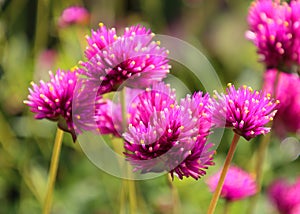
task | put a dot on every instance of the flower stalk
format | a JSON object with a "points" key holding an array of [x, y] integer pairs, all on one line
{"points": [[53, 171], [129, 183], [175, 195], [216, 195]]}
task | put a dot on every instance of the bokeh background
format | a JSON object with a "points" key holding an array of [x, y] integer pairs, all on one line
{"points": [[32, 43]]}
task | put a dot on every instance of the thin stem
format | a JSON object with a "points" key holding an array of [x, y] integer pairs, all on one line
{"points": [[215, 198], [122, 197], [132, 196], [260, 159], [261, 154], [175, 195], [226, 207], [53, 170], [124, 111], [130, 183]]}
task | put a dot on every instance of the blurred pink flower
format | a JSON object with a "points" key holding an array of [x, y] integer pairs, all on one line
{"points": [[238, 184], [274, 28], [244, 110], [74, 15], [285, 196], [287, 119]]}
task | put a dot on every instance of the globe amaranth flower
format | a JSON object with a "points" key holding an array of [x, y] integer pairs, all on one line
{"points": [[285, 196], [244, 110], [287, 90], [132, 59], [238, 184], [167, 136], [74, 15], [53, 100], [274, 29], [61, 99]]}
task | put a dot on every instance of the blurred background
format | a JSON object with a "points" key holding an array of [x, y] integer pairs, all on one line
{"points": [[32, 43]]}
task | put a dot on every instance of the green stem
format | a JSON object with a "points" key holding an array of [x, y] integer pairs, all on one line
{"points": [[122, 197], [261, 154], [42, 26], [216, 195], [130, 183], [226, 207], [175, 196], [132, 196], [53, 171], [124, 111]]}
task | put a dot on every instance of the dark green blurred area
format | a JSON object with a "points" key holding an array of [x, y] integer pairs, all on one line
{"points": [[29, 27]]}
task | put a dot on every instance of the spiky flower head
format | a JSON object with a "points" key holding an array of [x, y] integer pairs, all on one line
{"points": [[238, 184], [287, 90], [132, 59], [53, 100], [109, 118], [167, 136], [74, 15], [274, 28], [285, 196], [245, 110]]}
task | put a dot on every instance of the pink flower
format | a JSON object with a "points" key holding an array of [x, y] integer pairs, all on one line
{"points": [[244, 110], [74, 15], [285, 196], [275, 29], [53, 100], [63, 99], [165, 136], [287, 119], [132, 59], [238, 184]]}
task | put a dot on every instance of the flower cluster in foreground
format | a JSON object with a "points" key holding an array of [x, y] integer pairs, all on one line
{"points": [[285, 196], [161, 133], [238, 184], [164, 135], [245, 110]]}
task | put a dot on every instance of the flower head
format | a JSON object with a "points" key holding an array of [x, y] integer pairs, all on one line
{"points": [[165, 136], [274, 28], [285, 196], [244, 110], [53, 100], [109, 118], [238, 184], [74, 15], [132, 59], [287, 119]]}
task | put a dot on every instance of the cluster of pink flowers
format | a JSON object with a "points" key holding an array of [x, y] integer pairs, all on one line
{"points": [[285, 196], [274, 28], [161, 133]]}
